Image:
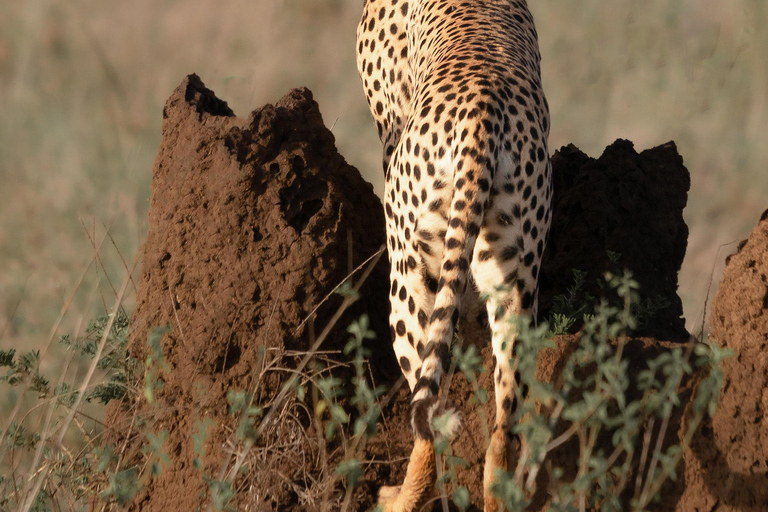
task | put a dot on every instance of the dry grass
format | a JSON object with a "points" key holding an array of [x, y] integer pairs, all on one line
{"points": [[271, 448], [82, 87]]}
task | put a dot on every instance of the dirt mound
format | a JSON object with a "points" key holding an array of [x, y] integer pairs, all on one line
{"points": [[731, 453], [252, 223], [623, 210]]}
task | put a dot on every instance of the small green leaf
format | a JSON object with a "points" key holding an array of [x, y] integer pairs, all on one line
{"points": [[461, 497], [352, 470]]}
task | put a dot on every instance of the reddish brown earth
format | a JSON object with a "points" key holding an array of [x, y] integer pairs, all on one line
{"points": [[253, 222], [729, 460]]}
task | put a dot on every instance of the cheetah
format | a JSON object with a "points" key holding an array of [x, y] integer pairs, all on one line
{"points": [[454, 87]]}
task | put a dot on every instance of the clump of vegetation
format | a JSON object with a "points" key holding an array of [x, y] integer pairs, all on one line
{"points": [[57, 460], [613, 418], [570, 307], [571, 310]]}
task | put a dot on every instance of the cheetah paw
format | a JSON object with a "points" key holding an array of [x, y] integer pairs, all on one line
{"points": [[387, 495]]}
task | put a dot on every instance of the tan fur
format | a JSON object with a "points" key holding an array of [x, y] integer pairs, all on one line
{"points": [[419, 481], [496, 458]]}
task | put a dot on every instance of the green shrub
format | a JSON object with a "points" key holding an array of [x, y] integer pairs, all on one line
{"points": [[613, 419]]}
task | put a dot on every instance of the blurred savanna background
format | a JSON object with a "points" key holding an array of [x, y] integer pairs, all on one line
{"points": [[82, 86]]}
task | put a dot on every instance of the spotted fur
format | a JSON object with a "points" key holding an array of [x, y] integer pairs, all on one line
{"points": [[455, 89]]}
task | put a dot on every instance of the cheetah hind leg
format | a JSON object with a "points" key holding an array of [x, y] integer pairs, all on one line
{"points": [[421, 473], [501, 454], [418, 484], [497, 458]]}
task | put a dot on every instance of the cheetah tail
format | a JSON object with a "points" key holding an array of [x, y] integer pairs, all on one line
{"points": [[473, 162], [425, 411]]}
